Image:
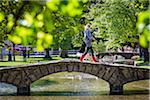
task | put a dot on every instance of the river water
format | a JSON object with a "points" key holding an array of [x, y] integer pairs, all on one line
{"points": [[76, 85]]}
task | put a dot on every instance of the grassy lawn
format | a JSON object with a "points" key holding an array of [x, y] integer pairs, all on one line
{"points": [[145, 67], [19, 61], [142, 64]]}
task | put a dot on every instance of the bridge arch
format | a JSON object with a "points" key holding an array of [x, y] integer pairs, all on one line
{"points": [[71, 67], [88, 80]]}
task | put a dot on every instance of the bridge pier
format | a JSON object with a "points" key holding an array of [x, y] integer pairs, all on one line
{"points": [[23, 90], [116, 89]]}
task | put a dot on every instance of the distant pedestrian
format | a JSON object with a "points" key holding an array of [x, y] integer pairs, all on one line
{"points": [[88, 38]]}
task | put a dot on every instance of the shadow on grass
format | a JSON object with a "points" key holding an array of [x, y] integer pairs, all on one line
{"points": [[85, 93], [131, 92], [63, 93], [43, 82], [82, 93]]}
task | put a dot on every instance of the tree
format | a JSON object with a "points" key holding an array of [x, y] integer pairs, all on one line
{"points": [[8, 12], [116, 21], [64, 32], [30, 22], [143, 27]]}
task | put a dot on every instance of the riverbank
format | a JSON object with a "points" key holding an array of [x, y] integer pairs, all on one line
{"points": [[114, 97]]}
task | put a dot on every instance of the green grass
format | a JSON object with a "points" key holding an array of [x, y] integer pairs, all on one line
{"points": [[145, 67], [43, 82], [142, 64], [19, 61]]}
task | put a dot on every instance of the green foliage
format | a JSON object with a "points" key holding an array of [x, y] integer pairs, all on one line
{"points": [[72, 8], [78, 39], [116, 20], [143, 26], [1, 16], [53, 4], [65, 28], [34, 22], [100, 47]]}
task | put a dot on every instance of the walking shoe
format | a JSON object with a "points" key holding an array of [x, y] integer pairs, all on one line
{"points": [[94, 59], [81, 58]]}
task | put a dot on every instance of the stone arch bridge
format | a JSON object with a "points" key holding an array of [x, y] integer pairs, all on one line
{"points": [[116, 75]]}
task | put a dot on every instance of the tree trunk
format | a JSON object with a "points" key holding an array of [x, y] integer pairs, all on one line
{"points": [[82, 48], [9, 55], [47, 55], [24, 53], [1, 54], [14, 58], [64, 53], [144, 54], [28, 53]]}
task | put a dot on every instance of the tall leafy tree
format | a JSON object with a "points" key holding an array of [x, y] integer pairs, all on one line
{"points": [[116, 20], [64, 32], [143, 27], [32, 22]]}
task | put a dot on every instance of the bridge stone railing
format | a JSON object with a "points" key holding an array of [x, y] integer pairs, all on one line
{"points": [[116, 75]]}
